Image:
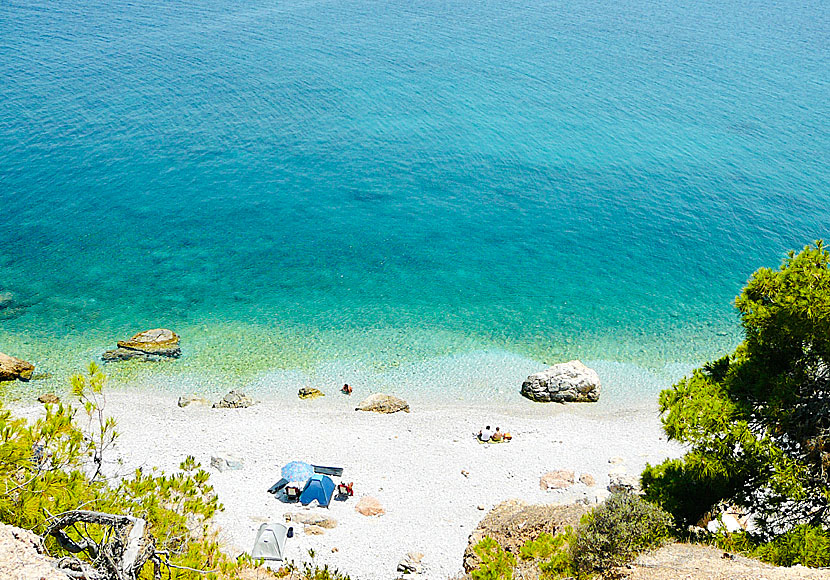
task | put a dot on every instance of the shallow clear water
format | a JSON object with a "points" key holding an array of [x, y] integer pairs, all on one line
{"points": [[454, 192]]}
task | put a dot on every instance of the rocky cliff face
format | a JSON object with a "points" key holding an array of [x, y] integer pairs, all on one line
{"points": [[22, 556]]}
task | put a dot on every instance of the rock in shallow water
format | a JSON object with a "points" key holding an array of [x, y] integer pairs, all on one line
{"points": [[187, 400], [310, 393], [12, 368], [380, 403], [566, 382], [49, 399], [149, 345]]}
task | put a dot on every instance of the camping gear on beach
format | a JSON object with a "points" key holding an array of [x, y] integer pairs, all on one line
{"points": [[297, 472], [270, 542], [292, 493], [345, 490], [278, 486], [319, 487], [335, 471]]}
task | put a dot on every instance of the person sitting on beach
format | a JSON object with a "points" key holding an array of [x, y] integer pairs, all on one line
{"points": [[485, 433], [497, 435], [347, 389]]}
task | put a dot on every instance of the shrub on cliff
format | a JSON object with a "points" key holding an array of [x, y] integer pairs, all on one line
{"points": [[757, 421]]}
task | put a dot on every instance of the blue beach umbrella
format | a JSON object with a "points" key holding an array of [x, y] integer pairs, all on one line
{"points": [[297, 471]]}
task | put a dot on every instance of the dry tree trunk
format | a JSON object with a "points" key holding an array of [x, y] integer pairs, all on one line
{"points": [[123, 552]]}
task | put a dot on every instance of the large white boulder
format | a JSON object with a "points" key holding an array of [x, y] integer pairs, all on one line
{"points": [[565, 382]]}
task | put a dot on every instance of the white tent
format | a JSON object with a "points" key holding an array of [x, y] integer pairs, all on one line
{"points": [[270, 542]]}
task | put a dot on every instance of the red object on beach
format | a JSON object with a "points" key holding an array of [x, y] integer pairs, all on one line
{"points": [[345, 488]]}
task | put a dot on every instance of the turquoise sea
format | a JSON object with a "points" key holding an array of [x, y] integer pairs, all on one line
{"points": [[433, 197]]}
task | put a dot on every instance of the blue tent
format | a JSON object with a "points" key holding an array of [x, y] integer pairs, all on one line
{"points": [[319, 487]]}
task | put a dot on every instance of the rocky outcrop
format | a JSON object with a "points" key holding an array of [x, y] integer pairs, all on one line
{"points": [[310, 393], [565, 382], [369, 506], [234, 400], [22, 556], [380, 403], [12, 369], [150, 345], [513, 522]]}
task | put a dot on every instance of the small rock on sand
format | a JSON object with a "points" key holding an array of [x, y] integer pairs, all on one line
{"points": [[187, 400], [560, 479], [369, 506], [314, 530], [312, 519], [49, 399], [226, 463], [234, 400], [587, 479], [380, 403], [411, 564], [621, 482]]}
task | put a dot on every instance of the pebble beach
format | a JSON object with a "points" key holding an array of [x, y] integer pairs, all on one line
{"points": [[434, 480]]}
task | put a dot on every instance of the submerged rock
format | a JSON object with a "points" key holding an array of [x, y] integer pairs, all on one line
{"points": [[565, 382], [310, 393], [6, 299], [12, 368], [234, 400], [380, 403], [149, 345]]}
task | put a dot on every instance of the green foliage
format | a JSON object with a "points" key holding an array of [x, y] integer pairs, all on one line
{"points": [[54, 465], [804, 544], [496, 562], [757, 422], [616, 531], [552, 553]]}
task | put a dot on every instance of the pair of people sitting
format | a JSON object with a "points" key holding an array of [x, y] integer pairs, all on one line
{"points": [[487, 435]]}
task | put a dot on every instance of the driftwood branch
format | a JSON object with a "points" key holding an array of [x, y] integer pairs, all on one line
{"points": [[123, 552]]}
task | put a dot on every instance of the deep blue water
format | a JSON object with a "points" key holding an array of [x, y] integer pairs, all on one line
{"points": [[373, 186]]}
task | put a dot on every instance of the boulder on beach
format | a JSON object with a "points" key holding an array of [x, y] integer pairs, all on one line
{"points": [[12, 369], [369, 506], [623, 483], [411, 563], [149, 345], [310, 393], [380, 403], [234, 400], [565, 382]]}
